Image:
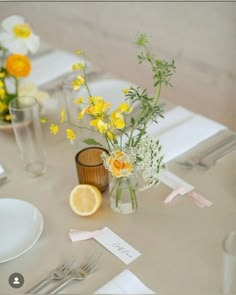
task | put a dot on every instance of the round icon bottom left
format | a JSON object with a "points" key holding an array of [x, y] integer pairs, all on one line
{"points": [[16, 280]]}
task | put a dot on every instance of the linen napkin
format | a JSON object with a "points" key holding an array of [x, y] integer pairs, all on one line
{"points": [[51, 66], [181, 130], [124, 283]]}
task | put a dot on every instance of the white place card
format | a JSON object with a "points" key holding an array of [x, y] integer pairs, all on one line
{"points": [[174, 182], [125, 283], [117, 245]]}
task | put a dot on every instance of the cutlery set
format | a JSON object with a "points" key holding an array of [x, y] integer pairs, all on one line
{"points": [[207, 158], [66, 273]]}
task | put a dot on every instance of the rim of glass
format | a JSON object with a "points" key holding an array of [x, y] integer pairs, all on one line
{"points": [[89, 148], [230, 234], [25, 107]]}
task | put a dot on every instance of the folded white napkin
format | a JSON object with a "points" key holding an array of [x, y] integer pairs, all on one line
{"points": [[172, 118], [51, 66], [124, 283], [181, 130]]}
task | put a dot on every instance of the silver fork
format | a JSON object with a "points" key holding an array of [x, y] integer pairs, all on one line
{"points": [[58, 273], [79, 274], [209, 161], [220, 146]]}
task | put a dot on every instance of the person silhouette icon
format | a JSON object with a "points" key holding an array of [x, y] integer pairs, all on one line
{"points": [[16, 281]]}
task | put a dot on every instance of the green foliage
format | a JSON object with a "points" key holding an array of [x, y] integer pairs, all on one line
{"points": [[149, 109], [91, 141]]}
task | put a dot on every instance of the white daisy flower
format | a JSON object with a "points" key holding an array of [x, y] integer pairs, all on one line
{"points": [[17, 36]]}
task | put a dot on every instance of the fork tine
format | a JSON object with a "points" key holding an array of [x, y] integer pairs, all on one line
{"points": [[70, 266], [91, 265], [67, 262]]}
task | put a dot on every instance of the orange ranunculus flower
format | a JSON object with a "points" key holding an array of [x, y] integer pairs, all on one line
{"points": [[18, 65], [119, 165]]}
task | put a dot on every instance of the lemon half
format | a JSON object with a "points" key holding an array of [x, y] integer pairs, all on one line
{"points": [[85, 199]]}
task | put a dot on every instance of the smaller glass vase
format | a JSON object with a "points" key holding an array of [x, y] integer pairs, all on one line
{"points": [[123, 194]]}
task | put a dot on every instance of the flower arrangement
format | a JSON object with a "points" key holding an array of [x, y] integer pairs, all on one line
{"points": [[16, 41], [130, 148]]}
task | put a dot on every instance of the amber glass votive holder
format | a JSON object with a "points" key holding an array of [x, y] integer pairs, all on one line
{"points": [[90, 167]]}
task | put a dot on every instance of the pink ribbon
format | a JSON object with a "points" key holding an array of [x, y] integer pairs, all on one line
{"points": [[199, 200], [173, 195], [79, 235]]}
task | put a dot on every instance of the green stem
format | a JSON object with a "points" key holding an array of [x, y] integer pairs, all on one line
{"points": [[80, 127], [132, 194], [17, 86], [118, 192], [147, 118], [85, 77], [156, 99], [4, 52]]}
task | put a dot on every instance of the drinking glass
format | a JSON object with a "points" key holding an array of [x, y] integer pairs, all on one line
{"points": [[90, 167], [229, 271], [24, 113]]}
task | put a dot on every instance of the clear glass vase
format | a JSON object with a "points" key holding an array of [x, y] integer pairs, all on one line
{"points": [[123, 194]]}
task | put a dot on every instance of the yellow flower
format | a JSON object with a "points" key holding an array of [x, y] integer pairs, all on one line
{"points": [[77, 82], [2, 92], [125, 108], [62, 116], [117, 120], [18, 65], [78, 52], [125, 90], [70, 134], [95, 99], [99, 124], [54, 129], [3, 106], [42, 120], [22, 31], [77, 67], [2, 74], [7, 117], [78, 100], [119, 164], [110, 135], [81, 114], [98, 106], [1, 84]]}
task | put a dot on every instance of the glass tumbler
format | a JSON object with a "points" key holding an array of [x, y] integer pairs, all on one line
{"points": [[229, 270], [90, 168], [24, 113]]}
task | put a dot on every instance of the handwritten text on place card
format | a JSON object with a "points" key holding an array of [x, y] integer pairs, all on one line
{"points": [[116, 245]]}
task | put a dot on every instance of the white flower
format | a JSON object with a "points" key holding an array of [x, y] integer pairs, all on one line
{"points": [[30, 89], [17, 36]]}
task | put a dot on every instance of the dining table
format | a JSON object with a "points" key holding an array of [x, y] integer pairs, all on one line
{"points": [[180, 243]]}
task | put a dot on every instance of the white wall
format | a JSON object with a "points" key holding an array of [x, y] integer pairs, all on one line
{"points": [[201, 37]]}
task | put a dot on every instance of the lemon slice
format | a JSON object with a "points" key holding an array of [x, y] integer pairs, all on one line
{"points": [[85, 199]]}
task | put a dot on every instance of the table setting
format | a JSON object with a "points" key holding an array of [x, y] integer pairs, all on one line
{"points": [[105, 188]]}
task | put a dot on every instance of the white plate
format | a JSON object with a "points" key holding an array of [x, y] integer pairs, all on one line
{"points": [[109, 89], [21, 225]]}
